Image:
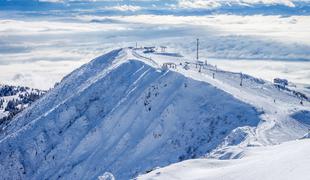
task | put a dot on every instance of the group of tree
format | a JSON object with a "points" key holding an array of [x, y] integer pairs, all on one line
{"points": [[19, 98]]}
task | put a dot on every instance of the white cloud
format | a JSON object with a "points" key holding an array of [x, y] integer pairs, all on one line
{"points": [[19, 27], [210, 4], [126, 8], [288, 3], [198, 4]]}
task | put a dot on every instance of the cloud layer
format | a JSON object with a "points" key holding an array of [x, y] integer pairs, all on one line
{"points": [[38, 51], [130, 5], [211, 4]]}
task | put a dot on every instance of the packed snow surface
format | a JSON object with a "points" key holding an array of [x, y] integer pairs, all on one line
{"points": [[125, 113], [284, 162]]}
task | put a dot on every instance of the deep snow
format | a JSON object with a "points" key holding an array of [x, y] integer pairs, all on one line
{"points": [[122, 113]]}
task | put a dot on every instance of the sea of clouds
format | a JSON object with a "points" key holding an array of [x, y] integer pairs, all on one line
{"points": [[39, 47]]}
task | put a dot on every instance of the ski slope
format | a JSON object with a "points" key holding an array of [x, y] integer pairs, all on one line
{"points": [[277, 106], [123, 113]]}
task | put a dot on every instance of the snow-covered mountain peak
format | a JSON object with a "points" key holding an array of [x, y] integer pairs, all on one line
{"points": [[131, 110]]}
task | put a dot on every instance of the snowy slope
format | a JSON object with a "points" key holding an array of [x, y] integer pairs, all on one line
{"points": [[285, 162], [278, 105], [122, 113]]}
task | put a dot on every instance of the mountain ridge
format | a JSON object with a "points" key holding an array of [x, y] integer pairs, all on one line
{"points": [[122, 113]]}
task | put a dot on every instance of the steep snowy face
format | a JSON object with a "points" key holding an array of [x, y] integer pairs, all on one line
{"points": [[119, 115], [70, 85]]}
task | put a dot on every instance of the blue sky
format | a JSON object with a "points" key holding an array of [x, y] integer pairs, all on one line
{"points": [[176, 7]]}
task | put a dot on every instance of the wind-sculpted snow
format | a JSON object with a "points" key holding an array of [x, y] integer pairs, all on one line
{"points": [[121, 116]]}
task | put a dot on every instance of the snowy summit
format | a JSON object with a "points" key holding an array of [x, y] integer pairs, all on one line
{"points": [[132, 110]]}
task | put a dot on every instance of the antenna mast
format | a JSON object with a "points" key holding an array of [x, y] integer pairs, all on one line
{"points": [[197, 49]]}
